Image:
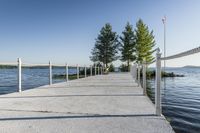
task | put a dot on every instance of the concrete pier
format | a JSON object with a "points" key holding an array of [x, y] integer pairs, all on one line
{"points": [[97, 104]]}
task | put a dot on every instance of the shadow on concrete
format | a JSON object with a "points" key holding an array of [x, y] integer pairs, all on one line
{"points": [[91, 95], [96, 86], [73, 117]]}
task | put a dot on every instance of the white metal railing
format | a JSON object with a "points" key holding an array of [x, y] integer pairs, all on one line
{"points": [[20, 65], [135, 72]]}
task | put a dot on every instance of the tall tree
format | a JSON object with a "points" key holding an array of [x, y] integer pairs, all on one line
{"points": [[144, 42], [127, 45], [106, 46]]}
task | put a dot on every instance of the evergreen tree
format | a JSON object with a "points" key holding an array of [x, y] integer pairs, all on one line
{"points": [[144, 43], [106, 46], [127, 45], [111, 68], [123, 68]]}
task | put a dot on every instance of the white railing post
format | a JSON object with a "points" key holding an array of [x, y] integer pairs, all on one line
{"points": [[77, 71], [138, 79], [85, 71], [19, 75], [101, 70], [144, 79], [135, 72], [158, 82], [95, 72], [98, 70], [66, 72], [91, 70], [50, 73], [131, 70], [136, 67]]}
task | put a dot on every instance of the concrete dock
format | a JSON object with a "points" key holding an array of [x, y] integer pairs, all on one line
{"points": [[99, 104]]}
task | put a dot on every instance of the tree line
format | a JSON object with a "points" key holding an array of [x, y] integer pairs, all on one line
{"points": [[133, 45]]}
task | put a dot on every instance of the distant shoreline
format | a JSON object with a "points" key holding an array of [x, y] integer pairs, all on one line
{"points": [[190, 66]]}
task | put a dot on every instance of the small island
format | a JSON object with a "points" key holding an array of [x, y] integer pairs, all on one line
{"points": [[152, 74]]}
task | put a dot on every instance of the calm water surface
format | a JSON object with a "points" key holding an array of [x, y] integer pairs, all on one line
{"points": [[180, 96], [181, 99], [31, 78]]}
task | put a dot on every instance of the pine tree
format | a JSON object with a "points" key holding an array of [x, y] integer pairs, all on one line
{"points": [[106, 46], [144, 43], [127, 46], [111, 68]]}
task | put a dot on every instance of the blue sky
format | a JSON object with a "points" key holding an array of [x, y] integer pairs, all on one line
{"points": [[65, 30]]}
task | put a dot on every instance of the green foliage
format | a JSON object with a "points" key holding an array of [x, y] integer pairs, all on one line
{"points": [[152, 74], [63, 76], [134, 46], [111, 68], [98, 64], [106, 46], [144, 42], [123, 68], [127, 45]]}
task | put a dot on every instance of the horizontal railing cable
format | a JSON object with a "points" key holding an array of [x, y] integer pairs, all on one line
{"points": [[182, 54]]}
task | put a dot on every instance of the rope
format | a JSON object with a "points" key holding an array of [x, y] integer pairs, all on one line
{"points": [[182, 54]]}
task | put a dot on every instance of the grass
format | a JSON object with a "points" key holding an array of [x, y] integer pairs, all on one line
{"points": [[63, 76]]}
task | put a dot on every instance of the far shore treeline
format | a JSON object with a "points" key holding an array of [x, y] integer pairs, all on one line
{"points": [[133, 45]]}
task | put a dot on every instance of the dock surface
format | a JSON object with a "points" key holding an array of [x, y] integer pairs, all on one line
{"points": [[98, 104]]}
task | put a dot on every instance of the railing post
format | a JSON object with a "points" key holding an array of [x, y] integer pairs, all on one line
{"points": [[66, 70], [19, 75], [95, 68], [158, 82], [77, 70], [85, 71], [98, 70], [138, 79], [101, 70], [135, 72], [144, 79], [136, 67], [131, 70], [50, 73], [91, 70]]}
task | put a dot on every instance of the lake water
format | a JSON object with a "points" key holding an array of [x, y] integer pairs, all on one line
{"points": [[31, 78], [180, 97]]}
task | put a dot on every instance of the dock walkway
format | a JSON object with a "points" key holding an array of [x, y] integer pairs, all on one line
{"points": [[98, 104]]}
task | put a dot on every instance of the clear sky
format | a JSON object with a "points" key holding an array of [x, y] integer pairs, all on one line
{"points": [[65, 30]]}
